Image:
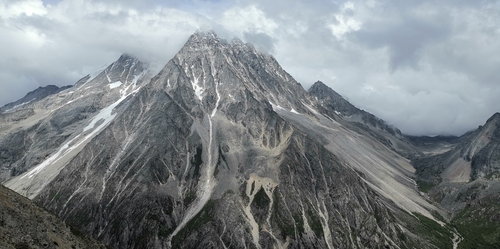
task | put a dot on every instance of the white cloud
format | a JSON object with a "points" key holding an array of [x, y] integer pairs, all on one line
{"points": [[344, 21], [247, 19], [10, 9]]}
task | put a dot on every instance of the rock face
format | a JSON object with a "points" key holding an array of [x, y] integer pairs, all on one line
{"points": [[25, 225], [221, 149], [60, 125]]}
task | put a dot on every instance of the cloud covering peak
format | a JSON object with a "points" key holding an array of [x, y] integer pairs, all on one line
{"points": [[426, 67]]}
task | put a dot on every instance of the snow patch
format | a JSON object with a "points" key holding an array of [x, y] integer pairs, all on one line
{"points": [[54, 158], [276, 107], [198, 90], [85, 83], [280, 108], [107, 75], [106, 115], [20, 105], [218, 99], [115, 85], [310, 108]]}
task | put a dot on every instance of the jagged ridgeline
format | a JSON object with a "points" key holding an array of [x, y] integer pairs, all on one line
{"points": [[221, 149]]}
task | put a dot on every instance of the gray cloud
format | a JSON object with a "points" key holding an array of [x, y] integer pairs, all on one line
{"points": [[261, 41], [405, 40], [427, 67]]}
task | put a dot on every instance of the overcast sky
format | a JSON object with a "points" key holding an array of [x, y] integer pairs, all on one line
{"points": [[427, 67]]}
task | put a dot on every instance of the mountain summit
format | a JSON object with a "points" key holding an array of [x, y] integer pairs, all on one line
{"points": [[222, 148]]}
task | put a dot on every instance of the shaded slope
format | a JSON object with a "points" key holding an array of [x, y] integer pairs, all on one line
{"points": [[24, 225]]}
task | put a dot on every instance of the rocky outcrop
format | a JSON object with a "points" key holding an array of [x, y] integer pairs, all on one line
{"points": [[25, 225]]}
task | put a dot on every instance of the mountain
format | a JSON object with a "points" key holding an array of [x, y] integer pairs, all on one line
{"points": [[335, 106], [476, 156], [221, 149], [465, 181], [334, 103], [57, 127], [34, 96], [24, 225]]}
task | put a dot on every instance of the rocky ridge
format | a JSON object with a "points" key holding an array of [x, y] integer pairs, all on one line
{"points": [[33, 96]]}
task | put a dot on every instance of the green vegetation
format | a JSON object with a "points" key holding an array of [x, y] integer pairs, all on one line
{"points": [[425, 186], [315, 223], [261, 200], [493, 176], [189, 198], [478, 228], [438, 235], [299, 223], [438, 216], [469, 194]]}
